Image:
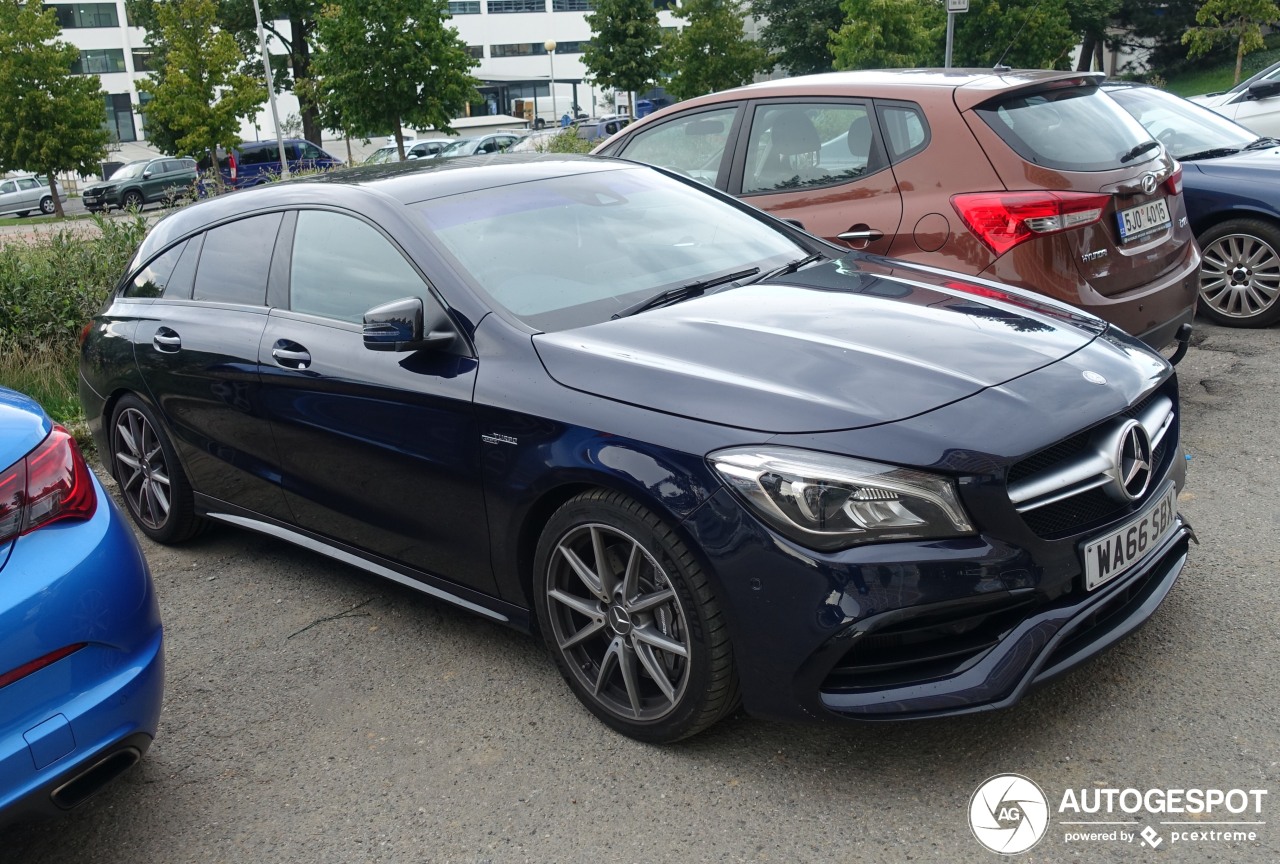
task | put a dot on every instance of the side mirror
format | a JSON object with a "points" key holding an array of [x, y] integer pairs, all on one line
{"points": [[146, 175], [1264, 89], [403, 325]]}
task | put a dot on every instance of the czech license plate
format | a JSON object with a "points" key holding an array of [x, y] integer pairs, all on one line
{"points": [[1111, 556], [1142, 220]]}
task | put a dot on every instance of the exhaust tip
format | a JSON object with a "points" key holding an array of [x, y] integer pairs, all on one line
{"points": [[86, 784]]}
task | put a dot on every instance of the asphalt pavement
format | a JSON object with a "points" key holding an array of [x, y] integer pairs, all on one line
{"points": [[316, 714]]}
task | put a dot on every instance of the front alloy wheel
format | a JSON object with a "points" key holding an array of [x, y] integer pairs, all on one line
{"points": [[153, 484], [630, 620], [1240, 274]]}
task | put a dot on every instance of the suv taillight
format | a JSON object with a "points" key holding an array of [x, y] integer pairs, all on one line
{"points": [[1173, 183], [49, 483], [231, 163], [1002, 220]]}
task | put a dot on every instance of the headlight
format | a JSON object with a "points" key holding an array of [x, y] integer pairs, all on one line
{"points": [[106, 189], [831, 502]]}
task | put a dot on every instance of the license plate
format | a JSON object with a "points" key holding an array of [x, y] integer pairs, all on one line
{"points": [[1142, 220], [1111, 556]]}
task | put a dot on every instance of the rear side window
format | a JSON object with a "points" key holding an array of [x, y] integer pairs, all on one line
{"points": [[152, 279], [1070, 129], [236, 259], [795, 146], [905, 130], [343, 267], [28, 183]]}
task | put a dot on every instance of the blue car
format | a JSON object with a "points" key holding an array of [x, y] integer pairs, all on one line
{"points": [[1231, 181], [705, 456], [81, 659]]}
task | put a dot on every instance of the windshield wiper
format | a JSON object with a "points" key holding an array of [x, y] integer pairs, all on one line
{"points": [[789, 267], [1211, 153], [683, 292], [1138, 150], [1263, 143]]}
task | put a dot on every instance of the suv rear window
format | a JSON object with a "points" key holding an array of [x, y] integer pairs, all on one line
{"points": [[1068, 128]]}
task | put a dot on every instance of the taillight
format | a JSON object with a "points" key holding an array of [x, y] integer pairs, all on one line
{"points": [[39, 663], [231, 161], [84, 333], [1173, 183], [1002, 220], [48, 484]]}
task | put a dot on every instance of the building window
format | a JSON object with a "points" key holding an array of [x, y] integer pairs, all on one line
{"points": [[501, 7], [142, 60], [99, 60], [119, 119], [476, 51], [529, 49], [573, 5], [464, 7], [86, 15], [571, 47]]}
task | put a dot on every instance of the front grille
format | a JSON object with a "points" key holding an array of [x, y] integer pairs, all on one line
{"points": [[1061, 490]]}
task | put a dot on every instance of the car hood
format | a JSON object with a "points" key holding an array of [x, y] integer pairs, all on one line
{"points": [[1245, 164], [23, 425], [838, 346], [1212, 100]]}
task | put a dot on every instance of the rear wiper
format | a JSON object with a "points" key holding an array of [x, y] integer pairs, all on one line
{"points": [[1138, 150], [1263, 143], [683, 292], [1211, 153], [790, 267]]}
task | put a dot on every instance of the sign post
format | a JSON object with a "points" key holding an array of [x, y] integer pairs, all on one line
{"points": [[954, 7]]}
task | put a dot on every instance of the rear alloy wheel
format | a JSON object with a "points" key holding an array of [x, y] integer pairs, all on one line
{"points": [[46, 205], [1240, 274], [630, 619], [132, 200], [152, 482]]}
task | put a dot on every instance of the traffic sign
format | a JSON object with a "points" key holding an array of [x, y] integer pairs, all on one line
{"points": [[957, 5]]}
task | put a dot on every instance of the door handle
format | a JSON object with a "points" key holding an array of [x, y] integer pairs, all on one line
{"points": [[864, 234], [291, 355], [167, 341]]}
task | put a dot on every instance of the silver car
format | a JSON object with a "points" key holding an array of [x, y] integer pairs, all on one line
{"points": [[21, 195]]}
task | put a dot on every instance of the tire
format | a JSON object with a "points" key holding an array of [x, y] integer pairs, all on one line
{"points": [[132, 200], [646, 648], [154, 486], [46, 205], [1240, 275]]}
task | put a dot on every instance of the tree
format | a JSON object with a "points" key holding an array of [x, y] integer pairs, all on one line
{"points": [[1238, 21], [625, 37], [392, 62], [50, 120], [882, 34], [198, 95], [1023, 34], [1089, 20], [797, 33], [712, 51], [1156, 25]]}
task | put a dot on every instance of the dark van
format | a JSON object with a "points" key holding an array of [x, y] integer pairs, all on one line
{"points": [[257, 162]]}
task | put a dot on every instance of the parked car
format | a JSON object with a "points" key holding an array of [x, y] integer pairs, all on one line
{"points": [[1231, 180], [427, 148], [81, 663], [1035, 179], [163, 179], [385, 154], [745, 463], [256, 162], [496, 142], [22, 195], [599, 128], [537, 141], [1253, 103]]}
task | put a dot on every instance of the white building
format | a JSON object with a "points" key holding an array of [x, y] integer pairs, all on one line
{"points": [[508, 37]]}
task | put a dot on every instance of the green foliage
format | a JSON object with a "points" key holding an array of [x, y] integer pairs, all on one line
{"points": [[565, 141], [624, 50], [797, 33], [885, 34], [52, 285], [390, 63], [50, 120], [712, 51], [1036, 33], [199, 94], [1235, 21]]}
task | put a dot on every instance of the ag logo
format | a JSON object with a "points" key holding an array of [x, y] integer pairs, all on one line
{"points": [[1008, 814]]}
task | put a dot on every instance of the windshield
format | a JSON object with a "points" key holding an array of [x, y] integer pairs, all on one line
{"points": [[569, 251], [133, 169], [457, 147], [1068, 128], [383, 154], [1183, 127]]}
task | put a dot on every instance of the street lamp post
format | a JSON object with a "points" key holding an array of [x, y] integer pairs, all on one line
{"points": [[271, 92], [550, 45]]}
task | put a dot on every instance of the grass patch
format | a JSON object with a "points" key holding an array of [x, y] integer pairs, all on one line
{"points": [[34, 220], [49, 377], [1213, 79]]}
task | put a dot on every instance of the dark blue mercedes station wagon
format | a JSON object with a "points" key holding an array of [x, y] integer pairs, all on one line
{"points": [[710, 459]]}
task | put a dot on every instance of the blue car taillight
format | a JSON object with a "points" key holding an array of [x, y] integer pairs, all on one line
{"points": [[50, 483]]}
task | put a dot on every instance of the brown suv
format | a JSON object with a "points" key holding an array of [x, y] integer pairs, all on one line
{"points": [[1032, 178]]}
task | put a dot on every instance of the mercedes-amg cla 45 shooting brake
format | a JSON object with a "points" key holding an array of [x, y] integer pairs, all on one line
{"points": [[708, 458]]}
